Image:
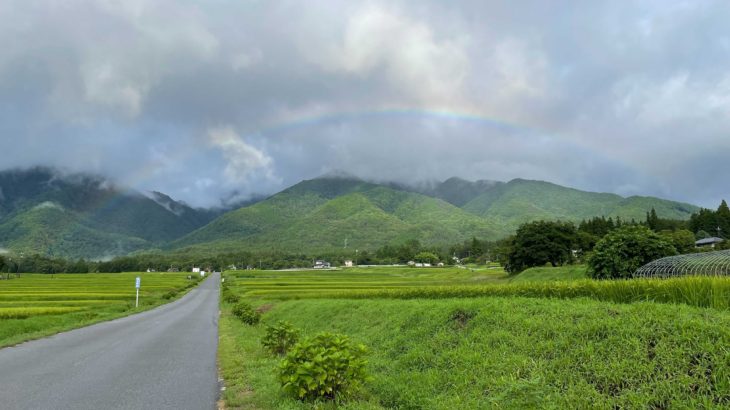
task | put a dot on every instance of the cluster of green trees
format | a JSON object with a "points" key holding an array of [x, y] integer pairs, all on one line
{"points": [[16, 264], [612, 248], [708, 223]]}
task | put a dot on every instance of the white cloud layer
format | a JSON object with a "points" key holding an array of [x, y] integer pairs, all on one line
{"points": [[628, 97]]}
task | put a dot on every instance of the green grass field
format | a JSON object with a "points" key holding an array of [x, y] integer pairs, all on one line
{"points": [[37, 305], [561, 347]]}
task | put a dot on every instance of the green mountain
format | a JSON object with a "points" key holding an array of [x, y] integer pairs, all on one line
{"points": [[519, 201], [456, 191], [324, 212], [79, 215], [82, 215]]}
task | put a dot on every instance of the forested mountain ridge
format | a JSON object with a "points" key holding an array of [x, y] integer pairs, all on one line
{"points": [[323, 213], [82, 215]]}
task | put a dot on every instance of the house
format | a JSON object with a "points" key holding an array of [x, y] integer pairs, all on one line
{"points": [[411, 263], [321, 265], [196, 270], [708, 242], [348, 263]]}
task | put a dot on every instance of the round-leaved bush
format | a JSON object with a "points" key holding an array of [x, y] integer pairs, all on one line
{"points": [[328, 366], [246, 313], [280, 337]]}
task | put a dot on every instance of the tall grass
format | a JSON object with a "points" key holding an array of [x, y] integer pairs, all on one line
{"points": [[701, 291]]}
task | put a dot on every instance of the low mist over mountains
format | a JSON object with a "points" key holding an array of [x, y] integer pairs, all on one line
{"points": [[80, 215]]}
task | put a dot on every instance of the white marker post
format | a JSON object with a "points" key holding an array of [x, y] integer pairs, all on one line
{"points": [[136, 285]]}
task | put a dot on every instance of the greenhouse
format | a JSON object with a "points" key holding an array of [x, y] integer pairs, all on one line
{"points": [[705, 263]]}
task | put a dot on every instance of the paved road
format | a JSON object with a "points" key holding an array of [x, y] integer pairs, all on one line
{"points": [[160, 359]]}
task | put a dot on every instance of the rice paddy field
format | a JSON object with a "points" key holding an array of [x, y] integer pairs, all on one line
{"points": [[475, 338], [37, 305]]}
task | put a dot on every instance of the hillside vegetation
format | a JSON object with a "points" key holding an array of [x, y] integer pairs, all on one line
{"points": [[321, 214], [77, 215]]}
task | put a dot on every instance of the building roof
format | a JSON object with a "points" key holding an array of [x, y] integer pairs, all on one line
{"points": [[709, 241]]}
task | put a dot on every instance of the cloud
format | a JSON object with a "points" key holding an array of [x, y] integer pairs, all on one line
{"points": [[242, 159], [429, 69], [203, 101], [48, 205]]}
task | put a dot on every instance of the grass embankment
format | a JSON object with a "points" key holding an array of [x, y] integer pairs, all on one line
{"points": [[502, 353], [37, 305], [560, 273], [431, 347]]}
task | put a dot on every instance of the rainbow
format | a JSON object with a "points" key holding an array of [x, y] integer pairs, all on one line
{"points": [[334, 117]]}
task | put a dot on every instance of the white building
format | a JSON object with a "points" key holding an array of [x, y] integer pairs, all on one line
{"points": [[349, 264], [321, 265], [196, 270]]}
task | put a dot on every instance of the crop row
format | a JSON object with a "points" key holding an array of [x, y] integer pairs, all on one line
{"points": [[698, 291], [25, 312]]}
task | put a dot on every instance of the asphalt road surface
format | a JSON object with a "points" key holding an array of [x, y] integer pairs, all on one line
{"points": [[160, 359]]}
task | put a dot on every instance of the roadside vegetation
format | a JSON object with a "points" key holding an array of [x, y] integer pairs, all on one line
{"points": [[37, 305]]}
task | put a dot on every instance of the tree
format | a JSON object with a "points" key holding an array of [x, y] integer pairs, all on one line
{"points": [[652, 220], [682, 240], [426, 257], [702, 235], [620, 253], [541, 242]]}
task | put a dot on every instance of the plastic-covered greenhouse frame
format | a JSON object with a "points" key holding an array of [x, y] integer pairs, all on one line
{"points": [[706, 263]]}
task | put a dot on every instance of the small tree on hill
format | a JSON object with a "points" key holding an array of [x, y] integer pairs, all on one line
{"points": [[426, 257], [541, 242], [620, 253]]}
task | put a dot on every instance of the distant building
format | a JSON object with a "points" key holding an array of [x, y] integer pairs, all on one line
{"points": [[196, 270], [411, 263], [321, 265], [708, 242], [348, 263]]}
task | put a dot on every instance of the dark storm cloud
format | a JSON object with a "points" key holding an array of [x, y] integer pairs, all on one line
{"points": [[203, 99]]}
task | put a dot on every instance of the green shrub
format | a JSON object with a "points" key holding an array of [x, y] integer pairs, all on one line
{"points": [[622, 251], [280, 337], [229, 297], [328, 366], [246, 313]]}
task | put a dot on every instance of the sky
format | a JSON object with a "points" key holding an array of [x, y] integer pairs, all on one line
{"points": [[222, 99]]}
